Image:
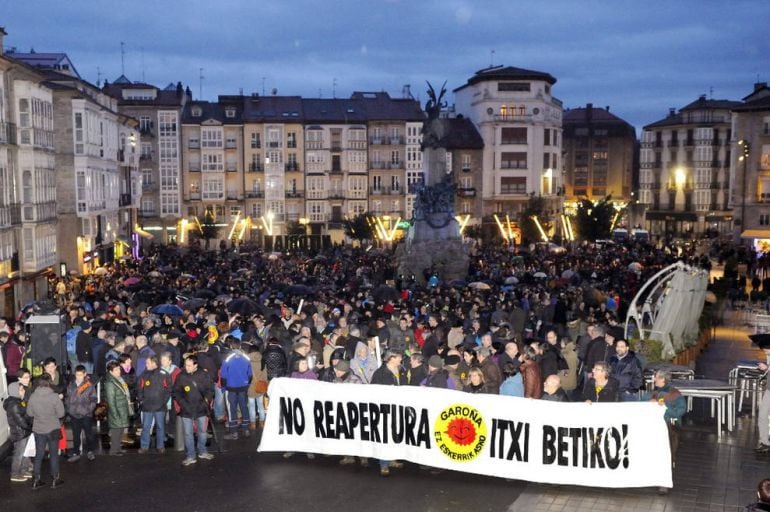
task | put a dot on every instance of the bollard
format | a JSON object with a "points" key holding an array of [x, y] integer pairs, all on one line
{"points": [[179, 438]]}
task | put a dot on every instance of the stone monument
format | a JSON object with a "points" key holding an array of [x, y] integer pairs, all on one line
{"points": [[433, 242]]}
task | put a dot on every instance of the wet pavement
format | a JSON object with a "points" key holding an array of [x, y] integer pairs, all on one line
{"points": [[710, 474]]}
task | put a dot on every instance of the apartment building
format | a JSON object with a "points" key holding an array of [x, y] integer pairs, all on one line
{"points": [[156, 155], [520, 123], [28, 245], [684, 176], [465, 157], [599, 155], [749, 161]]}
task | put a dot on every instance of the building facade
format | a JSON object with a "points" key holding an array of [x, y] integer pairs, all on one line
{"points": [[684, 176], [599, 155], [749, 161], [520, 123], [28, 223], [156, 157]]}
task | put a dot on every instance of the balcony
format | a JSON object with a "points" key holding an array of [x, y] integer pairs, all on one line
{"points": [[315, 144], [658, 144], [357, 144], [398, 140], [513, 118], [255, 194], [274, 144], [195, 195], [193, 144], [466, 169], [291, 144], [233, 196], [145, 156], [124, 200], [377, 141], [292, 167], [256, 167], [396, 165], [673, 144], [336, 169], [150, 186], [194, 166], [231, 144], [255, 144], [378, 191], [466, 192], [231, 167], [147, 130], [689, 143], [336, 194], [121, 155], [378, 165], [7, 133], [295, 194], [336, 147]]}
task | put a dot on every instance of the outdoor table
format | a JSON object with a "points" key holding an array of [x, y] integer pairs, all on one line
{"points": [[749, 382], [721, 394], [677, 371]]}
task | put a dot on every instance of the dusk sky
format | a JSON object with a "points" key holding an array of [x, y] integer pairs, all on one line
{"points": [[640, 58]]}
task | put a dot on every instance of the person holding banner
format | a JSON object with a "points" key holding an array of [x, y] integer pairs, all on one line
{"points": [[601, 387], [390, 374]]}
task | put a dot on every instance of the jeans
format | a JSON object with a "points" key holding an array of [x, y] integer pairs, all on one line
{"points": [[219, 402], [256, 407], [79, 425], [148, 418], [19, 463], [625, 396], [51, 441], [237, 400], [189, 442]]}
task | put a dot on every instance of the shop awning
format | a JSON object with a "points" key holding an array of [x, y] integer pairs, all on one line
{"points": [[756, 233]]}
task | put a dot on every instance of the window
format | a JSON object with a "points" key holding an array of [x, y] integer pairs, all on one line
{"points": [[599, 155], [513, 86], [764, 220], [513, 136], [212, 162], [146, 153], [466, 162], [230, 112], [169, 203], [145, 124], [546, 160], [255, 142], [291, 140], [197, 112], [513, 160], [146, 177], [211, 137], [547, 137], [79, 133], [513, 185], [167, 124], [213, 188]]}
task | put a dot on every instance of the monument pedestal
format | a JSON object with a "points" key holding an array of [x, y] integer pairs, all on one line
{"points": [[438, 249]]}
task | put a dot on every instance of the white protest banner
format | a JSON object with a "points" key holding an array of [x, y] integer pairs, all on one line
{"points": [[598, 445]]}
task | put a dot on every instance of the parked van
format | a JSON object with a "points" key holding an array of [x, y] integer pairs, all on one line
{"points": [[641, 235], [620, 235], [5, 433]]}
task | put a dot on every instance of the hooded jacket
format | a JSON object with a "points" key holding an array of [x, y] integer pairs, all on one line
{"points": [[19, 423], [236, 371], [46, 410], [154, 390], [364, 367]]}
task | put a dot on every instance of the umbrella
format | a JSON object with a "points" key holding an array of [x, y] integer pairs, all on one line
{"points": [[274, 256], [298, 289], [205, 294], [168, 309], [223, 298], [194, 303], [131, 280], [567, 274], [458, 283], [478, 285], [154, 273], [384, 293], [540, 275], [100, 271], [511, 280], [635, 267], [243, 306], [711, 297], [187, 276]]}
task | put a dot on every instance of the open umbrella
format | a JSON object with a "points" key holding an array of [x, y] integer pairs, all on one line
{"points": [[539, 275], [478, 285], [154, 273], [187, 276], [635, 267], [205, 293], [100, 271], [512, 280], [132, 280], [567, 274], [223, 298], [274, 256], [194, 303], [298, 290], [168, 309], [384, 293], [458, 283], [243, 306]]}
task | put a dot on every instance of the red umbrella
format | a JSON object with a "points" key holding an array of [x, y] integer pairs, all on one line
{"points": [[132, 280]]}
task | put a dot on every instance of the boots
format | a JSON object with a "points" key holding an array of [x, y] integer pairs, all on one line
{"points": [[57, 482], [37, 484]]}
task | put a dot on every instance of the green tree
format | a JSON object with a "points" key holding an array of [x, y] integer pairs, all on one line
{"points": [[360, 227], [535, 208], [594, 220]]}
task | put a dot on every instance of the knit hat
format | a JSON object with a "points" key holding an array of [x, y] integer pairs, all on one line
{"points": [[436, 362], [452, 359]]}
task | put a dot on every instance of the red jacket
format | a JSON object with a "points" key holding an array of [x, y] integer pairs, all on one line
{"points": [[13, 353]]}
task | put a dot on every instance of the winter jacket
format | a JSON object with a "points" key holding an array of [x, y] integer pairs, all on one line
{"points": [[492, 375], [192, 391], [551, 362], [439, 379], [598, 350], [400, 340], [13, 353], [83, 347], [384, 376], [274, 362], [628, 372], [559, 396], [80, 401], [675, 402], [417, 375], [118, 403], [608, 393], [19, 423], [46, 410], [364, 367], [513, 386], [569, 381], [154, 390], [481, 389], [141, 358], [533, 382], [236, 371], [257, 370]]}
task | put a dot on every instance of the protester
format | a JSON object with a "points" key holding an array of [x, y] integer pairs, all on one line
{"points": [[119, 406], [513, 385], [627, 370], [763, 498], [476, 382], [236, 374], [153, 393], [80, 402], [20, 428], [194, 390], [47, 411], [601, 387], [552, 390]]}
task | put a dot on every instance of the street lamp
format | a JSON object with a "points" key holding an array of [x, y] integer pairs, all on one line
{"points": [[680, 177], [744, 157]]}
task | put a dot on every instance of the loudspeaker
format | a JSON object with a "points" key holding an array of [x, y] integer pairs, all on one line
{"points": [[45, 335]]}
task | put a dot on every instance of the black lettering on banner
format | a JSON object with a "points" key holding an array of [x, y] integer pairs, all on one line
{"points": [[385, 412], [411, 417], [562, 459], [526, 442], [549, 444], [342, 424], [397, 423], [494, 438], [624, 428], [330, 432], [596, 454], [374, 420], [423, 434], [352, 417], [364, 422], [574, 434], [292, 417], [318, 416], [612, 457]]}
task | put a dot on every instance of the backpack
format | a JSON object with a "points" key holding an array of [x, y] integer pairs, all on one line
{"points": [[70, 337]]}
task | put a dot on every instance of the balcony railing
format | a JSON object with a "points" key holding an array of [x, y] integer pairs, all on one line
{"points": [[274, 144], [295, 194], [392, 191], [397, 140], [292, 167], [7, 133], [466, 192], [378, 141], [193, 144], [378, 165], [195, 195], [150, 186], [396, 165], [233, 196], [513, 118], [231, 167], [255, 194], [231, 144], [336, 194], [194, 166], [145, 156], [256, 167], [673, 143], [124, 200], [336, 147], [336, 169], [291, 144]]}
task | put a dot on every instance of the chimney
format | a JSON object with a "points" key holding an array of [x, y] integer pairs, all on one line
{"points": [[607, 108], [589, 111], [3, 33], [671, 112], [757, 86]]}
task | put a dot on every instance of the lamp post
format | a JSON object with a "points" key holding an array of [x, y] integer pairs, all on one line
{"points": [[744, 157]]}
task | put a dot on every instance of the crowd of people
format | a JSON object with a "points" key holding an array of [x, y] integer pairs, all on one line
{"points": [[199, 334]]}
